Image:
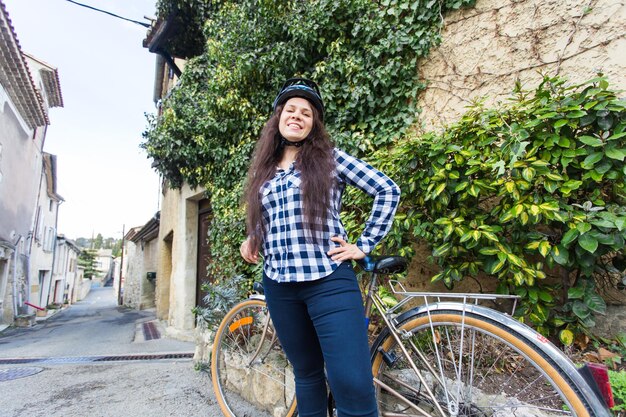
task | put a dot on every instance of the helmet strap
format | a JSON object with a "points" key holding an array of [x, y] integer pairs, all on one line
{"points": [[286, 142]]}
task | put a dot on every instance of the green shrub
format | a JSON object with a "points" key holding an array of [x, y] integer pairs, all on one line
{"points": [[618, 385], [530, 189]]}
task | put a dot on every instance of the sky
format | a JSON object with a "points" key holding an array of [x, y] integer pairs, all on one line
{"points": [[107, 82]]}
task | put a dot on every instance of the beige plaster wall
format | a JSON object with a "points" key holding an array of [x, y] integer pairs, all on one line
{"points": [[150, 252], [176, 267], [487, 47]]}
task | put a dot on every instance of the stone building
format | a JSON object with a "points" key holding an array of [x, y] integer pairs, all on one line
{"points": [[488, 47], [140, 265], [184, 216], [28, 199]]}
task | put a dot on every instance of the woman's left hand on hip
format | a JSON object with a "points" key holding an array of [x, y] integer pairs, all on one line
{"points": [[346, 251]]}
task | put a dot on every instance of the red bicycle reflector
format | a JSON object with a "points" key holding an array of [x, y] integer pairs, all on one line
{"points": [[600, 374]]}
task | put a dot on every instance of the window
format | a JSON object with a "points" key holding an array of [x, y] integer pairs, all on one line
{"points": [[49, 239], [38, 225], [51, 205]]}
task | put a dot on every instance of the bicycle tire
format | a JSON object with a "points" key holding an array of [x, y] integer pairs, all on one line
{"points": [[515, 371], [245, 387]]}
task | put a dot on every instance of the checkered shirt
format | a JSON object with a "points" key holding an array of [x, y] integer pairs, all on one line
{"points": [[288, 255]]}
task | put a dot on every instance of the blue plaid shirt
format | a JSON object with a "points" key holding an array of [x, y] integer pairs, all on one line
{"points": [[289, 255]]}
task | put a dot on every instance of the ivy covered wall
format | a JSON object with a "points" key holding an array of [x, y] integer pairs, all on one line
{"points": [[363, 54], [366, 56]]}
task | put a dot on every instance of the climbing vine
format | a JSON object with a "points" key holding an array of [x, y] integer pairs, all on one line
{"points": [[530, 194], [363, 53]]}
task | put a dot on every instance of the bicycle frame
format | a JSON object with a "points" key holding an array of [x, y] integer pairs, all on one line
{"points": [[266, 326]]}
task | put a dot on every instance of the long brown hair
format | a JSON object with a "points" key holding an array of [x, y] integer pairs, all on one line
{"points": [[316, 164]]}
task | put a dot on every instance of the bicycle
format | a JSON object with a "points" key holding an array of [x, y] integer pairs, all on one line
{"points": [[439, 358]]}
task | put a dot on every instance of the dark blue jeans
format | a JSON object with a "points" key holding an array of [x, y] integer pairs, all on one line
{"points": [[321, 323]]}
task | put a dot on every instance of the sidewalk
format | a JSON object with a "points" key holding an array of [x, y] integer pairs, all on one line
{"points": [[51, 313], [38, 319]]}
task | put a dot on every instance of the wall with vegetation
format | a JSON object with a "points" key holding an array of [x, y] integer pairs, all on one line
{"points": [[509, 193]]}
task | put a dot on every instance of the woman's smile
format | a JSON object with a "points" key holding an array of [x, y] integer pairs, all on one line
{"points": [[296, 119]]}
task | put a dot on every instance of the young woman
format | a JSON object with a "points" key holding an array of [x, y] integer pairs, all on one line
{"points": [[293, 198]]}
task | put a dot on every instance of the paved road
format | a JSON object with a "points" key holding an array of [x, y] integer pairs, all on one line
{"points": [[75, 386]]}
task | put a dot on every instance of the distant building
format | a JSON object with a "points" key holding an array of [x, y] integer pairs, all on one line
{"points": [[104, 265], [65, 276], [140, 265]]}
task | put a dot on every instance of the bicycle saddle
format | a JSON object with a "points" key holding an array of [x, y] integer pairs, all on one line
{"points": [[383, 264]]}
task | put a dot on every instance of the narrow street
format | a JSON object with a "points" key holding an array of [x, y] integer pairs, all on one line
{"points": [[98, 359]]}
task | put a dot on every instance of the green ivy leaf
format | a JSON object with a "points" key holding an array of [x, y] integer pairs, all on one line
{"points": [[581, 310], [560, 255], [583, 227], [618, 154], [605, 123], [569, 236], [544, 248], [591, 141], [595, 303], [575, 293], [591, 160], [489, 250], [566, 337], [588, 243], [442, 249], [576, 114]]}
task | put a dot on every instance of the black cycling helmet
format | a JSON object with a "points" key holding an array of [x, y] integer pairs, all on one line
{"points": [[300, 87]]}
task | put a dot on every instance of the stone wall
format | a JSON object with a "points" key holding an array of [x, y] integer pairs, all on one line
{"points": [[485, 49], [132, 276]]}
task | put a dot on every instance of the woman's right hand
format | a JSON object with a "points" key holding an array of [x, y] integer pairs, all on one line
{"points": [[249, 254]]}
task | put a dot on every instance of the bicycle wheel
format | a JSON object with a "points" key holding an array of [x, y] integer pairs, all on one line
{"points": [[475, 362], [249, 370]]}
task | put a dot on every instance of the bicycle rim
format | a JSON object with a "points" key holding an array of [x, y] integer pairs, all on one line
{"points": [[478, 369], [247, 385]]}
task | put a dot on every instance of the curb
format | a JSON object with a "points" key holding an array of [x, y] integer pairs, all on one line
{"points": [[51, 313]]}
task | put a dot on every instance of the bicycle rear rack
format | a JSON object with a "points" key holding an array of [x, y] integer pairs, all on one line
{"points": [[431, 297]]}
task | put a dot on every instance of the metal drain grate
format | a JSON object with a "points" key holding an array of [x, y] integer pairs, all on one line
{"points": [[150, 331], [150, 357], [89, 359], [15, 373]]}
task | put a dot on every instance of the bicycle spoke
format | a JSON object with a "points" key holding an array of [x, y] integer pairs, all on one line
{"points": [[249, 367], [467, 372]]}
